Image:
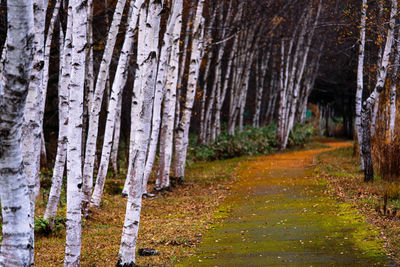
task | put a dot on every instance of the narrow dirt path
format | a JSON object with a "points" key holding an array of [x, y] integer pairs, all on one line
{"points": [[279, 215]]}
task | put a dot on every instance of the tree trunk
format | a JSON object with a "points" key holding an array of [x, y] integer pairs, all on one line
{"points": [[168, 118], [209, 55], [393, 92], [63, 106], [182, 132], [33, 116], [297, 73], [74, 147], [162, 75], [374, 116], [366, 147], [118, 85], [17, 239], [221, 92], [360, 78], [369, 103], [47, 48], [142, 103], [116, 139], [260, 80], [91, 142]]}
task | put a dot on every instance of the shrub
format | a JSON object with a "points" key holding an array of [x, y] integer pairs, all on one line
{"points": [[251, 141], [300, 134], [42, 226], [386, 151], [386, 155]]}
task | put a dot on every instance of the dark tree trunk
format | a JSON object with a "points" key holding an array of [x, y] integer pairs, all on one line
{"points": [[327, 115], [366, 146]]}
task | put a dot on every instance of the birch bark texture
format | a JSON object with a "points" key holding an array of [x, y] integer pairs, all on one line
{"points": [[393, 90], [360, 78], [63, 106], [91, 141], [17, 242], [182, 132], [33, 115], [168, 116], [78, 9], [117, 87], [163, 84], [142, 103], [372, 98]]}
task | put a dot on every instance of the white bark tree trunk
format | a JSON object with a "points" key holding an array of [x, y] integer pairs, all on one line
{"points": [[2, 59], [182, 66], [142, 103], [168, 118], [46, 66], [74, 147], [299, 76], [360, 78], [221, 93], [209, 55], [91, 141], [17, 240], [182, 132], [117, 134], [204, 112], [163, 84], [282, 97], [90, 64], [33, 116], [393, 90], [370, 101], [260, 78], [63, 106], [118, 85]]}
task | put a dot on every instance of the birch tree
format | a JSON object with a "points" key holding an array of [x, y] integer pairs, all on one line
{"points": [[372, 98], [168, 113], [33, 115], [119, 83], [206, 112], [393, 89], [116, 139], [142, 103], [78, 9], [261, 69], [63, 107], [102, 77], [299, 76], [164, 76], [182, 132], [17, 240], [360, 78]]}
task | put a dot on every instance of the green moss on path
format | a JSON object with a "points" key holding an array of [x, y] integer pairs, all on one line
{"points": [[279, 215]]}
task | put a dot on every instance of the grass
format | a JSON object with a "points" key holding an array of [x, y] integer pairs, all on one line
{"points": [[345, 181]]}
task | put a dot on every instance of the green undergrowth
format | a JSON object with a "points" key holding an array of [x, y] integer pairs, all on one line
{"points": [[251, 141]]}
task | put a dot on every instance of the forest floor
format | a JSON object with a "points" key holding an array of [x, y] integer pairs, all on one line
{"points": [[234, 212], [173, 222], [280, 213], [344, 180]]}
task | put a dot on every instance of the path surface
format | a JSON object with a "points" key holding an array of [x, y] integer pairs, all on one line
{"points": [[279, 216]]}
